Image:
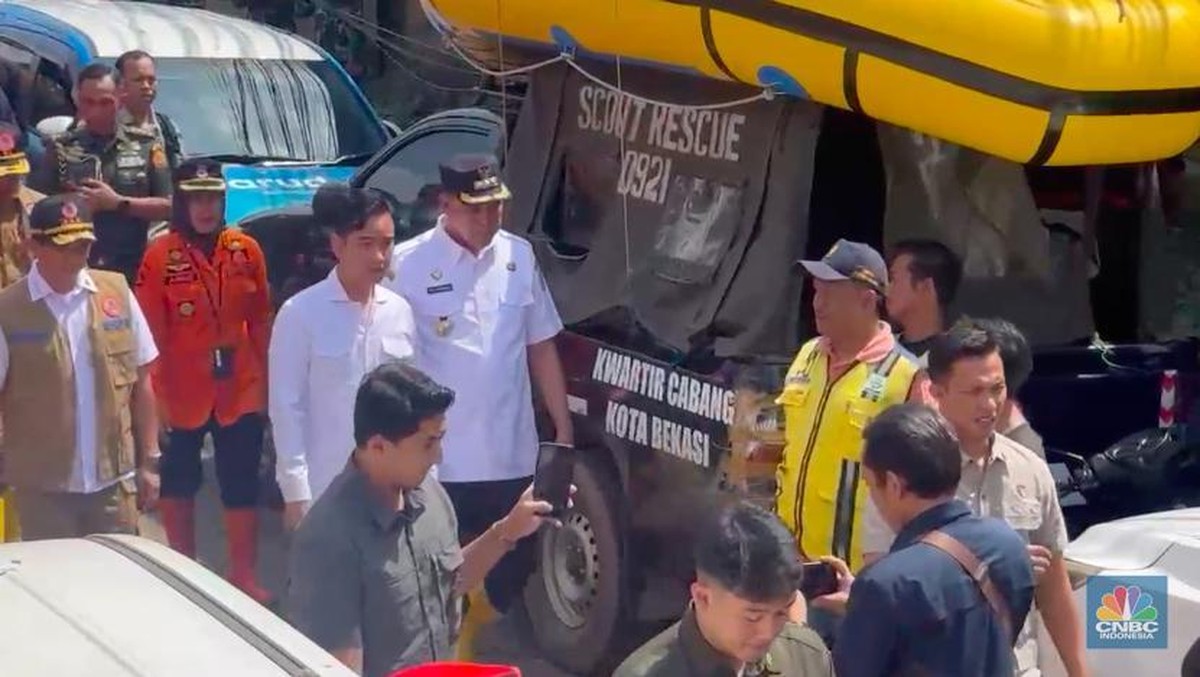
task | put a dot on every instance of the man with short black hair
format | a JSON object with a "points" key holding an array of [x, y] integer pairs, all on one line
{"points": [[326, 338], [923, 609], [747, 575], [1001, 479], [486, 326], [1018, 365], [121, 171], [80, 423], [137, 83], [925, 275], [377, 573]]}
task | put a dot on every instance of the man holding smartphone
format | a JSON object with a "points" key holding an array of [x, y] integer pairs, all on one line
{"points": [[376, 573], [121, 171], [924, 608]]}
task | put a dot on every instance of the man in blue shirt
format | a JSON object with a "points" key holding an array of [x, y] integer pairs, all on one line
{"points": [[916, 610]]}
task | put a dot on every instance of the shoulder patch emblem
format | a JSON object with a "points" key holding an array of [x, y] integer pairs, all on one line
{"points": [[158, 157]]}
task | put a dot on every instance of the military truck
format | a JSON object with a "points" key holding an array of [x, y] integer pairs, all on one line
{"points": [[667, 211]]}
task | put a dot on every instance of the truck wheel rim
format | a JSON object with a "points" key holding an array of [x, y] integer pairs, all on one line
{"points": [[571, 573]]}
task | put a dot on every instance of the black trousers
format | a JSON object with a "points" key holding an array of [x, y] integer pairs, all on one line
{"points": [[478, 505], [238, 448]]}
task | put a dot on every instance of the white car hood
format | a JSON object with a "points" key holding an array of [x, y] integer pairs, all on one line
{"points": [[1135, 542]]}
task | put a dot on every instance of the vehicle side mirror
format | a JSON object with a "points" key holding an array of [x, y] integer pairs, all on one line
{"points": [[393, 129], [53, 126]]}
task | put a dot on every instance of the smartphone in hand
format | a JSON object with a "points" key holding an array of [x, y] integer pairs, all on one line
{"points": [[84, 169], [820, 579], [552, 478]]}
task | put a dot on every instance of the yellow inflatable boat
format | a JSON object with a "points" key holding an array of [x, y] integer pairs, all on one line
{"points": [[1054, 82]]}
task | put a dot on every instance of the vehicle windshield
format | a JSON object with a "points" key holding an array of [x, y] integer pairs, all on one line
{"points": [[273, 109]]}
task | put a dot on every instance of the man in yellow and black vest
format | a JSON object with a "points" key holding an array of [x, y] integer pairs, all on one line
{"points": [[838, 382], [75, 396]]}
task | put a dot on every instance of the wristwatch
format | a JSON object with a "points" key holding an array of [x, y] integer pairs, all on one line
{"points": [[151, 461]]}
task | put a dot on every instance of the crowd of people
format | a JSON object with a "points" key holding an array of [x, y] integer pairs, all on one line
{"points": [[399, 392]]}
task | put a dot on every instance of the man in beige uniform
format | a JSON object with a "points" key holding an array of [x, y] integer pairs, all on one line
{"points": [[15, 202], [1001, 479], [74, 351]]}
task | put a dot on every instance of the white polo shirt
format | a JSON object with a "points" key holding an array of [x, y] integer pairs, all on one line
{"points": [[476, 315], [322, 345], [71, 312]]}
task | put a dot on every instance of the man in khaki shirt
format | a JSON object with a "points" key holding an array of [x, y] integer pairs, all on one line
{"points": [[1002, 479], [15, 202]]}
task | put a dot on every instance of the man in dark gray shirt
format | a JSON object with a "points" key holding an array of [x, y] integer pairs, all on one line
{"points": [[376, 571]]}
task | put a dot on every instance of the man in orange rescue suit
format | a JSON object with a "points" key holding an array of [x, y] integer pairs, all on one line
{"points": [[204, 290], [838, 382], [80, 425]]}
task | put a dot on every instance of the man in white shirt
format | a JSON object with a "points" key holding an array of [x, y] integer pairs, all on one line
{"points": [[326, 339], [80, 423], [485, 323]]}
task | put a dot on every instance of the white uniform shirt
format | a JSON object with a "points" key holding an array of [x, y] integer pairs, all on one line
{"points": [[70, 310], [322, 345], [476, 315]]}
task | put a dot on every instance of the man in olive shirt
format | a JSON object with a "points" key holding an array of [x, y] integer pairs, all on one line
{"points": [[376, 573], [121, 171], [747, 575]]}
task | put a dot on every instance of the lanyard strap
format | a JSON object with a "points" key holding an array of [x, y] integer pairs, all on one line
{"points": [[212, 302]]}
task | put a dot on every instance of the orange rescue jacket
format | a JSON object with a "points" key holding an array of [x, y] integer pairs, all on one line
{"points": [[195, 305]]}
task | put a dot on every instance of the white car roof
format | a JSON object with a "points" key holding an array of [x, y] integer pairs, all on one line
{"points": [[115, 606], [165, 31], [1135, 542]]}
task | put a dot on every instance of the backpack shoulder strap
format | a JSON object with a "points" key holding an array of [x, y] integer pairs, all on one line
{"points": [[978, 571]]}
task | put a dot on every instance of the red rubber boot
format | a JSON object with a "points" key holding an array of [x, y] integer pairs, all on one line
{"points": [[241, 534], [179, 521]]}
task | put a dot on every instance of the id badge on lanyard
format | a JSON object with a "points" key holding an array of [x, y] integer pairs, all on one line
{"points": [[221, 358]]}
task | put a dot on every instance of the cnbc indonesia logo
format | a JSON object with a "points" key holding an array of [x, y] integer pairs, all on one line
{"points": [[1129, 612]]}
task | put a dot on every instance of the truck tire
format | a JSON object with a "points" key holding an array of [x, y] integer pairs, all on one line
{"points": [[575, 599]]}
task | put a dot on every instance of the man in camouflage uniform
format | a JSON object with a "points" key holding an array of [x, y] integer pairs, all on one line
{"points": [[137, 84], [121, 171]]}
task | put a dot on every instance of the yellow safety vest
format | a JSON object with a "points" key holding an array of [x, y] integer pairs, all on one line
{"points": [[819, 484]]}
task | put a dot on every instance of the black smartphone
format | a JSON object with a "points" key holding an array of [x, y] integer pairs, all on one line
{"points": [[553, 475], [83, 169], [820, 579]]}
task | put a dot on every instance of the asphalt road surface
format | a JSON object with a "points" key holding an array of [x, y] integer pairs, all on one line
{"points": [[498, 642]]}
